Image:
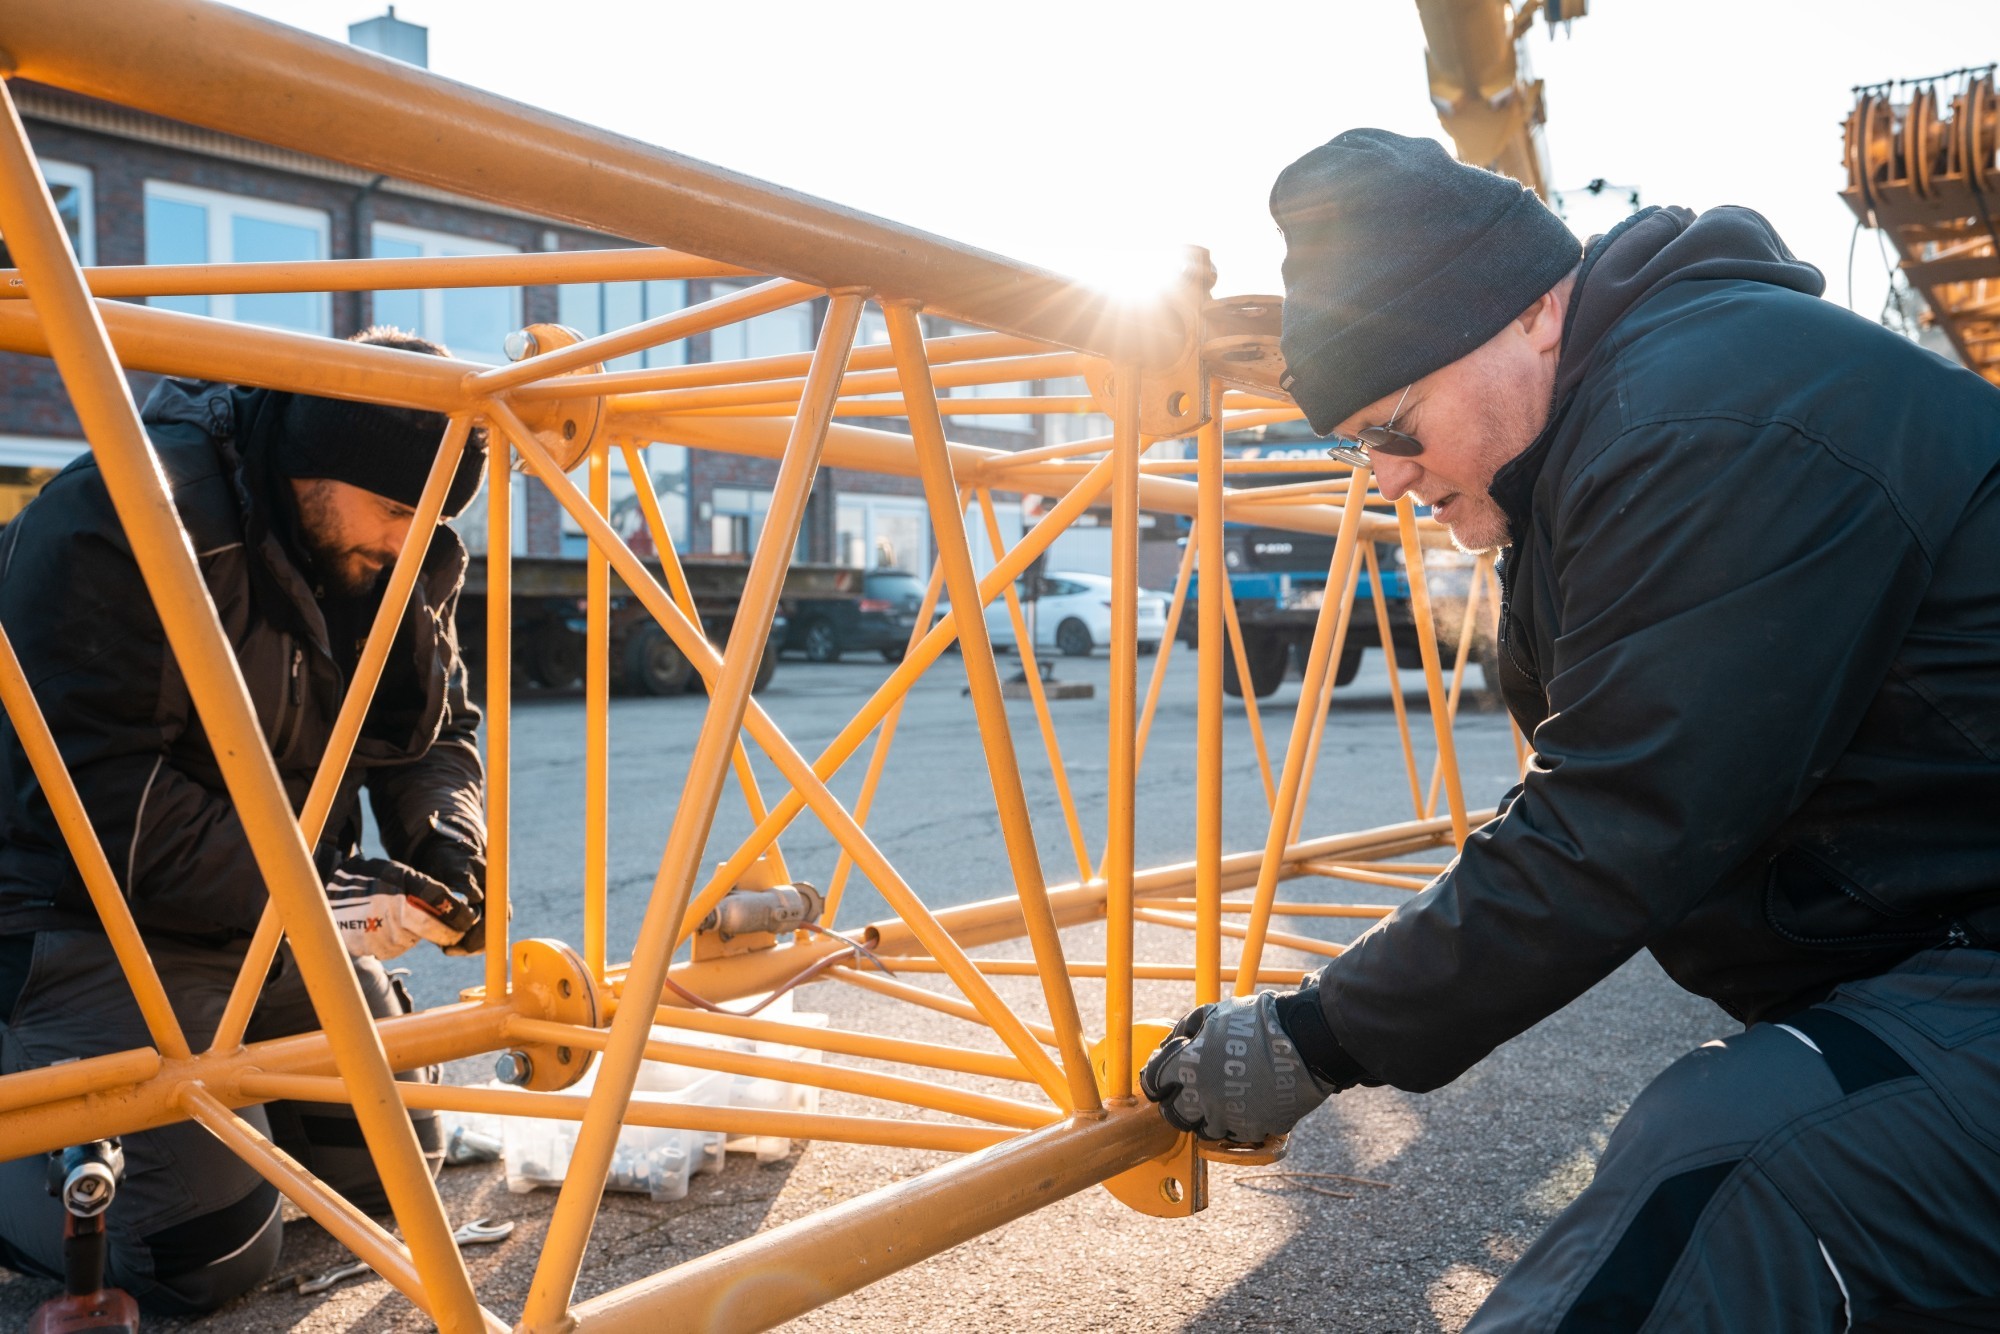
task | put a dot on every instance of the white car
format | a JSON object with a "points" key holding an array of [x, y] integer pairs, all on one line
{"points": [[1074, 615]]}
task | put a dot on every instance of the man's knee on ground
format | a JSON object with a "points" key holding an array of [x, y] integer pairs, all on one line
{"points": [[204, 1262]]}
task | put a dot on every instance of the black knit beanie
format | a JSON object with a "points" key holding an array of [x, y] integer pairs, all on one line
{"points": [[386, 450], [1399, 261]]}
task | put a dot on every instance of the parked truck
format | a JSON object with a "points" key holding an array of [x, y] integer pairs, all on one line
{"points": [[1278, 579]]}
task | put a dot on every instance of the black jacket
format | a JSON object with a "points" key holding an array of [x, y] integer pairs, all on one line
{"points": [[73, 602], [1753, 632]]}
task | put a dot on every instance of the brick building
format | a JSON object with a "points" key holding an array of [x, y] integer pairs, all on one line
{"points": [[137, 189]]}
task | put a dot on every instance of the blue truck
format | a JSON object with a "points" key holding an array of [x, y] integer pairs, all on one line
{"points": [[1278, 578]]}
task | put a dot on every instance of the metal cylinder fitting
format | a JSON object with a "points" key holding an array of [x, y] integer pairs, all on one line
{"points": [[744, 912]]}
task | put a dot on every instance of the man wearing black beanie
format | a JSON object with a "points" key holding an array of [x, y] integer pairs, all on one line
{"points": [[1752, 629], [295, 506]]}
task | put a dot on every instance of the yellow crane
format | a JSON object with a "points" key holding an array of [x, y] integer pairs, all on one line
{"points": [[1486, 95], [1923, 165]]}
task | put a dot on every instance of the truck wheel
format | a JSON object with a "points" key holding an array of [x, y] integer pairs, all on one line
{"points": [[767, 666], [822, 641], [654, 664], [1349, 666], [1073, 639], [894, 653], [1268, 654], [556, 656]]}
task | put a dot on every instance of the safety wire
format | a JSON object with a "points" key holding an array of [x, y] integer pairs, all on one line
{"points": [[855, 950]]}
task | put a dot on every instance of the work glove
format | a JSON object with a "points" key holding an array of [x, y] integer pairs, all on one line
{"points": [[454, 855], [1229, 1072], [383, 907]]}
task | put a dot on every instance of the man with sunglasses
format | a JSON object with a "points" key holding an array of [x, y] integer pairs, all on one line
{"points": [[1752, 629]]}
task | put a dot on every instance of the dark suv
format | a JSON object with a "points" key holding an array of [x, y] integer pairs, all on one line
{"points": [[880, 619]]}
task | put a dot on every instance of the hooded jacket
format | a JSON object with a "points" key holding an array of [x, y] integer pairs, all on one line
{"points": [[94, 652], [1752, 630]]}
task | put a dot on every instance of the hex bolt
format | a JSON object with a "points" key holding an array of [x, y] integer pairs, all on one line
{"points": [[514, 1067], [520, 345]]}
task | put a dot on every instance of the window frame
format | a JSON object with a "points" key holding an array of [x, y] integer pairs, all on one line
{"points": [[57, 172], [433, 244], [220, 205]]}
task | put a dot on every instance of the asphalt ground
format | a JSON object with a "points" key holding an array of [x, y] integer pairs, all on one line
{"points": [[1468, 1174]]}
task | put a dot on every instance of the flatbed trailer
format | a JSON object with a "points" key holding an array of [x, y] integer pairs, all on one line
{"points": [[550, 597]]}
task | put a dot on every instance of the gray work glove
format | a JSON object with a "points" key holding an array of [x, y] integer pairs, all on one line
{"points": [[454, 855], [1229, 1072]]}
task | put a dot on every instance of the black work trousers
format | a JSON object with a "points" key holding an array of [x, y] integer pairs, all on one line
{"points": [[192, 1226], [1839, 1171]]}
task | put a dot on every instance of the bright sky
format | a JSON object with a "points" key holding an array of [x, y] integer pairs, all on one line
{"points": [[1094, 136]]}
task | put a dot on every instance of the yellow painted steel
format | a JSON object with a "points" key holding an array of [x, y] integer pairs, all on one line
{"points": [[103, 400], [983, 676], [499, 707], [576, 1208], [347, 723], [74, 822], [1034, 328]]}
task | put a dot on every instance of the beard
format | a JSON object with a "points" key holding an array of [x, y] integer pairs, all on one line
{"points": [[341, 567]]}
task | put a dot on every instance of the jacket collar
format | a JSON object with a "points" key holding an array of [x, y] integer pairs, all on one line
{"points": [[1623, 269]]}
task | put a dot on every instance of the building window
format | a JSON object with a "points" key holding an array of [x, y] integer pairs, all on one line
{"points": [[882, 533], [472, 322], [1006, 421], [736, 519], [599, 308], [189, 226], [70, 186], [774, 334], [1067, 426], [668, 465]]}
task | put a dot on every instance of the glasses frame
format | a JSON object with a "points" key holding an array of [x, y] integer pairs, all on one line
{"points": [[1383, 439]]}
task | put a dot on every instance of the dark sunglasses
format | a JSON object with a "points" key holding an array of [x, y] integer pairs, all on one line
{"points": [[1384, 439]]}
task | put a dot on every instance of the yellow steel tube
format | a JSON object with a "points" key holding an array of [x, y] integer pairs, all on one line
{"points": [[999, 370], [925, 1093], [1069, 449], [650, 1111], [868, 1046], [890, 407], [699, 318], [1318, 666], [1334, 654], [1362, 910], [878, 758], [915, 663], [677, 584], [925, 999], [1360, 876], [354, 1229], [1207, 536], [1427, 648], [151, 339], [103, 402], [72, 1079], [597, 724], [354, 704], [1087, 968], [1305, 944], [1158, 677], [1465, 629], [1031, 672], [367, 275], [766, 1279], [243, 75], [1252, 716], [982, 675], [1121, 763], [680, 862], [115, 915], [1386, 638], [635, 387], [793, 766], [499, 707]]}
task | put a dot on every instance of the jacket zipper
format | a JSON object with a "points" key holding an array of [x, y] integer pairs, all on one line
{"points": [[1505, 569], [293, 701]]}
